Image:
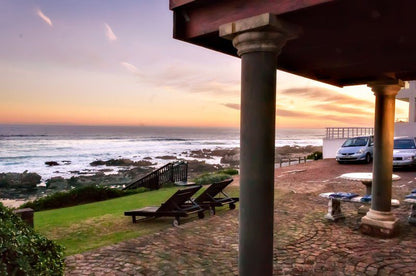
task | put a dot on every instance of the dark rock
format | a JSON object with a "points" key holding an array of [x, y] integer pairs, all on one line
{"points": [[166, 157], [57, 183], [196, 167], [228, 156], [204, 153], [105, 170], [97, 163], [223, 152], [117, 162], [147, 158], [295, 151], [30, 179], [19, 180], [143, 163], [51, 163], [135, 173]]}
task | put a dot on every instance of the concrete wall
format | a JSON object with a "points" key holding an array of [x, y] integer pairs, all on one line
{"points": [[405, 129], [330, 147]]}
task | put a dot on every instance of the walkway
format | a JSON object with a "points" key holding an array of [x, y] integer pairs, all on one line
{"points": [[305, 243]]}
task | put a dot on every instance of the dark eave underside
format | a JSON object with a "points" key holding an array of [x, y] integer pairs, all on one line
{"points": [[343, 42]]}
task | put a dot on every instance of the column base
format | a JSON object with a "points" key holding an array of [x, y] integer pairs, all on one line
{"points": [[379, 224]]}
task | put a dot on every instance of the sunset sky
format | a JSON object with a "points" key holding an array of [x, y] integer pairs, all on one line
{"points": [[106, 62]]}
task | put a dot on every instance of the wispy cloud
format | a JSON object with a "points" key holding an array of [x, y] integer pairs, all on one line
{"points": [[192, 79], [188, 78], [323, 95], [109, 33], [345, 109], [44, 17], [339, 119], [319, 100], [130, 67], [233, 106]]}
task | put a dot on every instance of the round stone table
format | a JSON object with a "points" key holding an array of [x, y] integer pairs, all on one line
{"points": [[366, 178]]}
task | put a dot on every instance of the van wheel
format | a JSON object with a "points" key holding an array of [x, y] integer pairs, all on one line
{"points": [[367, 158]]}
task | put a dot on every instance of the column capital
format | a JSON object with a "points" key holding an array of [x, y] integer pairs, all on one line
{"points": [[388, 87], [264, 32]]}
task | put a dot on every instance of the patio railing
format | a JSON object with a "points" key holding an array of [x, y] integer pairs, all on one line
{"points": [[347, 132], [169, 173], [283, 162]]}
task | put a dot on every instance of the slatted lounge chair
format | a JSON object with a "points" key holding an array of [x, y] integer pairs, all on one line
{"points": [[214, 196], [174, 207]]}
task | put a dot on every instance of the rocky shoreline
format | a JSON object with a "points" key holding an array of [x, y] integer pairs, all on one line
{"points": [[28, 185]]}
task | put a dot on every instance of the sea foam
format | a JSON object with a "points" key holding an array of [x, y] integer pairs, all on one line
{"points": [[75, 147]]}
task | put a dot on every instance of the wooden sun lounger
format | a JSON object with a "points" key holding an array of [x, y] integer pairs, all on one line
{"points": [[214, 196], [175, 207]]}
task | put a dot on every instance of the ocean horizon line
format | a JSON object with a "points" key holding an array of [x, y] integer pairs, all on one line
{"points": [[139, 126]]}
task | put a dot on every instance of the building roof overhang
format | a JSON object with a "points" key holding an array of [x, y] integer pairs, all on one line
{"points": [[343, 42]]}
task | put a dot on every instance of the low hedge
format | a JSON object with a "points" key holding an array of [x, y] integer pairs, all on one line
{"points": [[229, 171], [77, 196], [315, 155], [25, 252], [210, 178]]}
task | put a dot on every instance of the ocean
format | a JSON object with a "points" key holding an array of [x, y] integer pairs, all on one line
{"points": [[28, 147]]}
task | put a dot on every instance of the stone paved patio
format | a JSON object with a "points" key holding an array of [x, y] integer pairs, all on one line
{"points": [[305, 243]]}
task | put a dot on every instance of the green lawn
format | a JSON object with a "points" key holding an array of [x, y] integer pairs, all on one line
{"points": [[84, 227]]}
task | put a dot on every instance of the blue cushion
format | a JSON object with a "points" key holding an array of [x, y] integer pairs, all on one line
{"points": [[366, 198], [412, 196], [343, 195]]}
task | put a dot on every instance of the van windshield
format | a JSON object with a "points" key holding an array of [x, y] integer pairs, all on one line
{"points": [[355, 142]]}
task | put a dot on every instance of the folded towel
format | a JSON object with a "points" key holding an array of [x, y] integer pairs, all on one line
{"points": [[366, 198], [343, 195]]}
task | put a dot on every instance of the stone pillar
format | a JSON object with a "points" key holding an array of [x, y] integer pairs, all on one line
{"points": [[26, 215], [258, 40], [379, 221]]}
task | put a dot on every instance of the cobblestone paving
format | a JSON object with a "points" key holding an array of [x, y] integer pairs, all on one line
{"points": [[305, 244], [202, 247]]}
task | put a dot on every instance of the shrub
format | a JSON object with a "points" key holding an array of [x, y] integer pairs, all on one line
{"points": [[316, 155], [25, 252], [78, 196], [229, 171], [210, 178]]}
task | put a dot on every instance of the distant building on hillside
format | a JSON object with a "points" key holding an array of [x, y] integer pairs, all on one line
{"points": [[407, 126]]}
